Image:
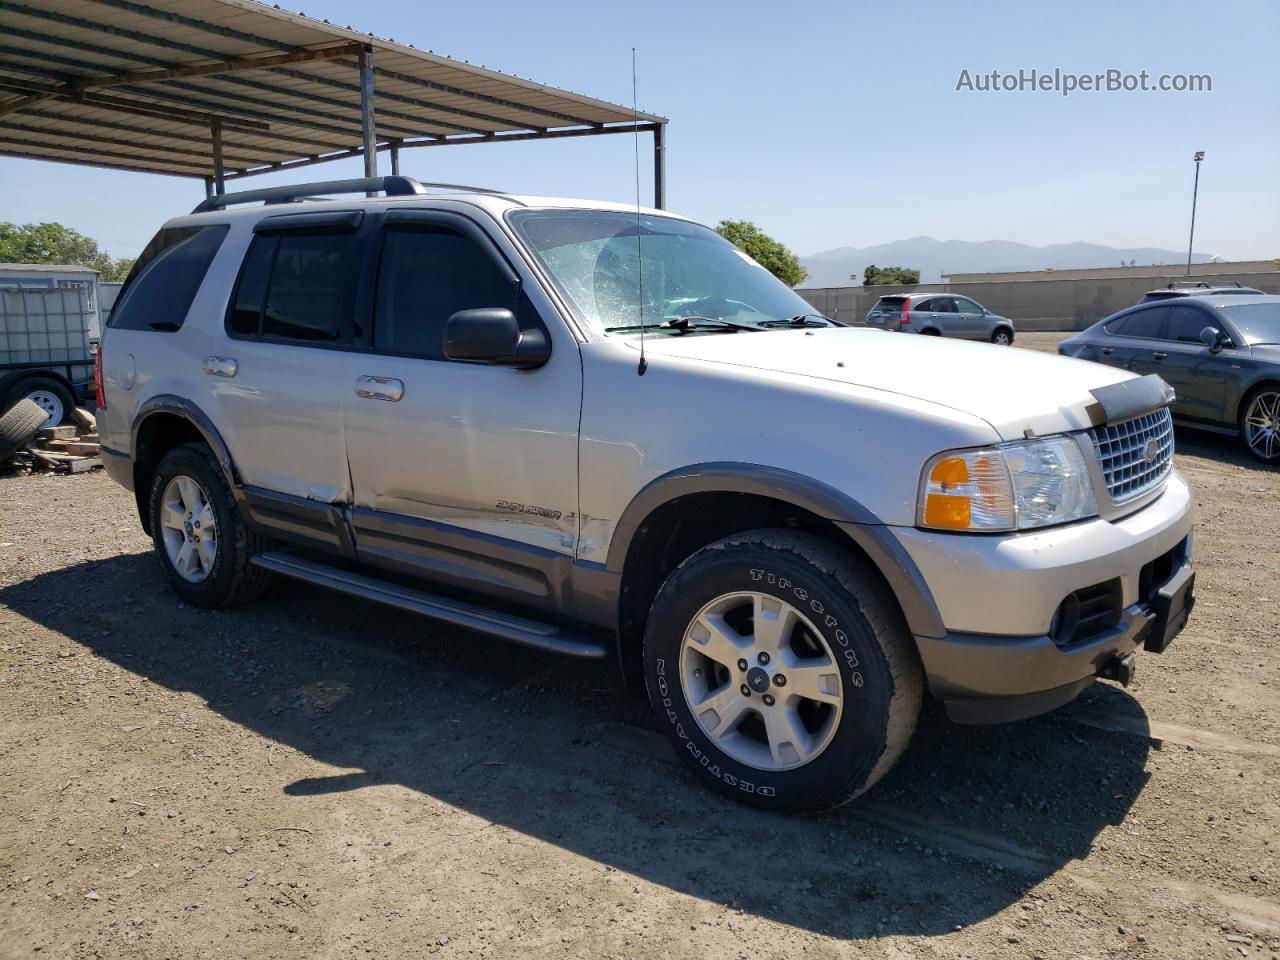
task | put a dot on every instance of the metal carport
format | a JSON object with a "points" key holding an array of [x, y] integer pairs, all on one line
{"points": [[224, 89]]}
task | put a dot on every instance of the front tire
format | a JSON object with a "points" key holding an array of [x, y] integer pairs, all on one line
{"points": [[201, 541], [782, 671], [1002, 337]]}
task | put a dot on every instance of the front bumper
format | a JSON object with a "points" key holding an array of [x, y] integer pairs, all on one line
{"points": [[1000, 658]]}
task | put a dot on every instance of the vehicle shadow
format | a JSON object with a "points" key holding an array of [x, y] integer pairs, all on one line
{"points": [[970, 821], [1215, 446]]}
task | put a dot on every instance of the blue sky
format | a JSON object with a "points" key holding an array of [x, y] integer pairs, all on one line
{"points": [[836, 124]]}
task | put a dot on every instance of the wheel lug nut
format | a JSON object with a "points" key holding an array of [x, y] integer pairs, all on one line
{"points": [[779, 680], [768, 700], [742, 665], [763, 658], [746, 691]]}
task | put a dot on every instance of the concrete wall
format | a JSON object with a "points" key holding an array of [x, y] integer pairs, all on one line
{"points": [[1223, 268], [1039, 304]]}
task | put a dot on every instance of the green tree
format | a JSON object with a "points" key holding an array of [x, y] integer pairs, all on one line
{"points": [[764, 250], [56, 243], [875, 276]]}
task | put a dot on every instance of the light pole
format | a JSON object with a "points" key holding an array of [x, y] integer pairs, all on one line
{"points": [[1194, 190]]}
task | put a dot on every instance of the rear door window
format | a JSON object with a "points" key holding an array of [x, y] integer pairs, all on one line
{"points": [[944, 305], [294, 286], [164, 280], [1145, 324]]}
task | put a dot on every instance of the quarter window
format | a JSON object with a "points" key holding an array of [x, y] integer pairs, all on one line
{"points": [[164, 280], [427, 274]]}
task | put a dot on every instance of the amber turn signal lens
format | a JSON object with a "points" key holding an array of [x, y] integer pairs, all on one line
{"points": [[947, 512]]}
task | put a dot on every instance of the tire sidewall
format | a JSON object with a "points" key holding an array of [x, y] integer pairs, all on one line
{"points": [[187, 461], [25, 388], [867, 681]]}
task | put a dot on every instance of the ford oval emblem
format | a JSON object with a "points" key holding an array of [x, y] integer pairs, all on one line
{"points": [[1150, 451]]}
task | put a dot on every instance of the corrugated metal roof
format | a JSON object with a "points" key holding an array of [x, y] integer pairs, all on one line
{"points": [[135, 85]]}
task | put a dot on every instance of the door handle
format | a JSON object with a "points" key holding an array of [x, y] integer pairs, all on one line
{"points": [[379, 388], [220, 366], [1158, 355], [1107, 351]]}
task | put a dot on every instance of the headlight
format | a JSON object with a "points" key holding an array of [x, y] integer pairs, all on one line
{"points": [[1011, 486]]}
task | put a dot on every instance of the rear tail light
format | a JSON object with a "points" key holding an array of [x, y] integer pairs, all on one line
{"points": [[99, 394], [904, 319]]}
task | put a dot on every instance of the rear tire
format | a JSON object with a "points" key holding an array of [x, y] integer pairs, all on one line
{"points": [[930, 333], [790, 604], [19, 424], [200, 538], [1260, 423]]}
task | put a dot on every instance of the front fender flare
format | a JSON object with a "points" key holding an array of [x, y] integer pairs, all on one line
{"points": [[858, 523]]}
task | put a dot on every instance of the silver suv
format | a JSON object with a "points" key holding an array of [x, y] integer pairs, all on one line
{"points": [[940, 315], [607, 432]]}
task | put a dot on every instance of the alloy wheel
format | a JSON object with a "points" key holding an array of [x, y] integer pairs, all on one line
{"points": [[761, 681], [189, 529], [1262, 425]]}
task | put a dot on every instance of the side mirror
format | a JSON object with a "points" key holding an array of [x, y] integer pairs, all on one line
{"points": [[492, 335], [1213, 339]]}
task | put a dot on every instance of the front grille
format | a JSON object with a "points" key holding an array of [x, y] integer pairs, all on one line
{"points": [[1130, 464]]}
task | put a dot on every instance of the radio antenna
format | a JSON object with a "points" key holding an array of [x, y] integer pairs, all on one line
{"points": [[635, 115]]}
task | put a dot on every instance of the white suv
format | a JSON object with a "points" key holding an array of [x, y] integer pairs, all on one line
{"points": [[601, 431]]}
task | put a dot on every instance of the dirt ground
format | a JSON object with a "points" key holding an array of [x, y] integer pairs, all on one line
{"points": [[316, 777]]}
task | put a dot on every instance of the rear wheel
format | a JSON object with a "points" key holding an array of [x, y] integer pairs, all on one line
{"points": [[1002, 337], [1260, 424], [782, 671], [203, 544], [930, 333]]}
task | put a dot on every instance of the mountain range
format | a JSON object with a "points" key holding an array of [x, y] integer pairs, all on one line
{"points": [[832, 268]]}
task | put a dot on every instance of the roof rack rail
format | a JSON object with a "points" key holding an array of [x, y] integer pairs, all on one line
{"points": [[391, 186], [1179, 284]]}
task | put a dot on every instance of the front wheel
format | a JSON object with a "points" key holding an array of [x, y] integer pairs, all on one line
{"points": [[1003, 337], [1260, 424], [782, 671]]}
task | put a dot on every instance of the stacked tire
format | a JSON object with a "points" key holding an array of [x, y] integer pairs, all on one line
{"points": [[18, 425]]}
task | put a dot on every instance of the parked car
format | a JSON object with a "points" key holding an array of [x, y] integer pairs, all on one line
{"points": [[940, 315], [785, 531], [1221, 355], [1177, 290]]}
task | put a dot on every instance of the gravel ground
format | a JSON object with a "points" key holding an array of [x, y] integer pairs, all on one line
{"points": [[316, 777]]}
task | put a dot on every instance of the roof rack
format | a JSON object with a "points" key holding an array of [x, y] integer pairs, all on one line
{"points": [[1201, 284], [391, 186]]}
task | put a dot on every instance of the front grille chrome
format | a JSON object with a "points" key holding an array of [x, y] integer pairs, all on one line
{"points": [[1136, 455]]}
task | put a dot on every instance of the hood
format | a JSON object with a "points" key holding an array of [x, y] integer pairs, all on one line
{"points": [[1266, 353], [1013, 389]]}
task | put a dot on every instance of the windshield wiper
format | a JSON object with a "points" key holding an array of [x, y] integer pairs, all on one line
{"points": [[801, 320], [686, 324]]}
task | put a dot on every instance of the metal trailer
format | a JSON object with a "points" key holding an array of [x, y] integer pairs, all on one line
{"points": [[48, 321]]}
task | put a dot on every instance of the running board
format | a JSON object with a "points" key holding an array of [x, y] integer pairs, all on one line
{"points": [[504, 626]]}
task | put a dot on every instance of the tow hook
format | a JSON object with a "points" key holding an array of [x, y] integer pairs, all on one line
{"points": [[1120, 669]]}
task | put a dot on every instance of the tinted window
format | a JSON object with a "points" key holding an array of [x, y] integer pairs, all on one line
{"points": [[945, 305], [1185, 324], [968, 306], [926, 306], [889, 304], [165, 278], [251, 292], [426, 276], [1144, 323], [293, 286]]}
